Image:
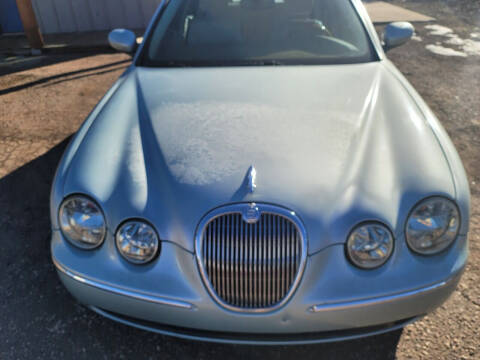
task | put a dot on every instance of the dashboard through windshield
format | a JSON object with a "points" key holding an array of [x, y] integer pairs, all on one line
{"points": [[257, 32]]}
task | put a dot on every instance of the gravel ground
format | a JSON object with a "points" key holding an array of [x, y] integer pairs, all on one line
{"points": [[42, 106]]}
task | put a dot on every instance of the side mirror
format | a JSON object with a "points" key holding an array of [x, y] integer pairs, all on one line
{"points": [[396, 34], [123, 40]]}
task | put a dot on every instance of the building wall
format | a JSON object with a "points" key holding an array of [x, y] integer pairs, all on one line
{"points": [[66, 16], [9, 18]]}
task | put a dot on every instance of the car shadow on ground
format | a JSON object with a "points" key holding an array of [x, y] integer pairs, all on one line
{"points": [[10, 63], [39, 319], [66, 76]]}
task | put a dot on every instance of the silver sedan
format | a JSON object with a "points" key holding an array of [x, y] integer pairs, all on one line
{"points": [[261, 174]]}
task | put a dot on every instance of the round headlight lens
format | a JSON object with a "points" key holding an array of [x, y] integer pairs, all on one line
{"points": [[432, 226], [370, 245], [82, 222], [137, 242]]}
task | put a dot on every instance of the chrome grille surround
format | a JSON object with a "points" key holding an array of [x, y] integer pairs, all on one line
{"points": [[252, 275]]}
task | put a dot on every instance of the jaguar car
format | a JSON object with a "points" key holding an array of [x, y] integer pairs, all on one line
{"points": [[261, 174]]}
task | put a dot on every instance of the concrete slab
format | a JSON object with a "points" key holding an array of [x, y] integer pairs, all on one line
{"points": [[382, 12]]}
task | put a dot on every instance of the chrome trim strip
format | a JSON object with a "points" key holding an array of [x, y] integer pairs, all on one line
{"points": [[383, 299], [122, 292], [211, 281]]}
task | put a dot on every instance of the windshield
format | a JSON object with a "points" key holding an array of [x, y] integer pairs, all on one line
{"points": [[257, 32]]}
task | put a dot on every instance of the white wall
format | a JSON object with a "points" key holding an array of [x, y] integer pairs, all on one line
{"points": [[63, 16]]}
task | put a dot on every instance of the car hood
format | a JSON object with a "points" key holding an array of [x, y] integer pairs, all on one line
{"points": [[338, 145]]}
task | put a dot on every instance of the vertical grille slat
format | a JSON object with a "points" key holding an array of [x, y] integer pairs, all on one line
{"points": [[282, 256], [236, 269], [220, 259], [270, 261], [255, 256], [251, 266], [261, 277], [227, 258], [293, 252], [242, 265], [277, 259], [214, 240], [264, 263]]}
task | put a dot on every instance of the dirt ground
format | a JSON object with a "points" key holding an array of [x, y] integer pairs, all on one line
{"points": [[44, 100]]}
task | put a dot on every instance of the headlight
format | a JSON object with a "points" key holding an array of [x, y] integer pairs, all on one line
{"points": [[432, 226], [82, 222], [369, 245], [137, 242]]}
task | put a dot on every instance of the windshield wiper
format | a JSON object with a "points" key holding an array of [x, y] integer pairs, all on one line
{"points": [[186, 26], [219, 63], [268, 62]]}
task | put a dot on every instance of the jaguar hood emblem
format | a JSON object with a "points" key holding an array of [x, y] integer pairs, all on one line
{"points": [[252, 179]]}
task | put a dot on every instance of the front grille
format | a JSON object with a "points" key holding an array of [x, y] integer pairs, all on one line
{"points": [[251, 266]]}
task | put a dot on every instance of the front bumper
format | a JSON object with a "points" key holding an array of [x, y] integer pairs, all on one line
{"points": [[334, 300], [257, 339]]}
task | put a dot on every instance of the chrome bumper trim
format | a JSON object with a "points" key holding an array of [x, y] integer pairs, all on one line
{"points": [[123, 292], [383, 299]]}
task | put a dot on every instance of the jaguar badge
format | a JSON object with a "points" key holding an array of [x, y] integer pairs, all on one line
{"points": [[251, 214]]}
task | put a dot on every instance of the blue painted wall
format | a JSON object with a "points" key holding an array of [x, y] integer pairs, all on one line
{"points": [[9, 18]]}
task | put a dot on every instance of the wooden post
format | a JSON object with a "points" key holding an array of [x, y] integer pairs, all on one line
{"points": [[30, 25]]}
